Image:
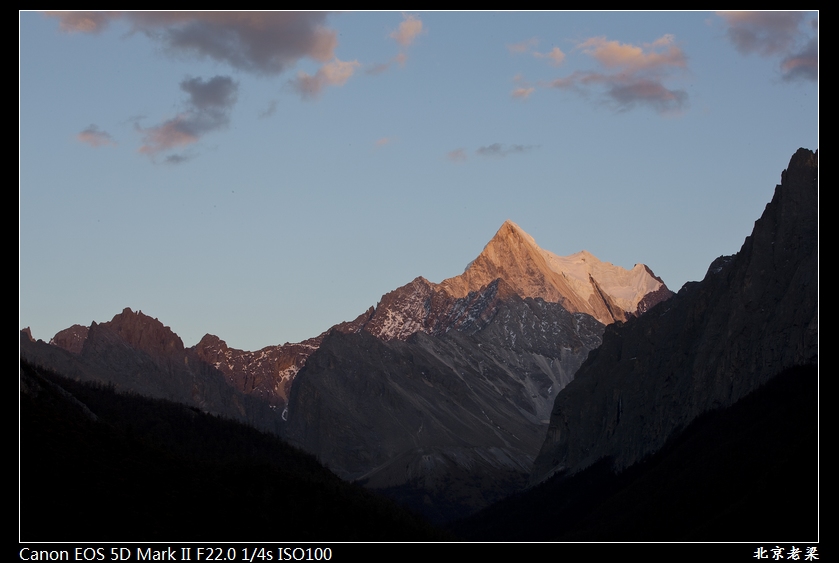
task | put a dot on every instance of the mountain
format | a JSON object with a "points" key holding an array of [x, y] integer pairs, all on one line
{"points": [[137, 353], [580, 283], [439, 395], [752, 316], [687, 421], [265, 373]]}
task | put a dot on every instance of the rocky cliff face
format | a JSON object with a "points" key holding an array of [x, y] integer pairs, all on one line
{"points": [[753, 315], [137, 353], [452, 421], [71, 339], [266, 373]]}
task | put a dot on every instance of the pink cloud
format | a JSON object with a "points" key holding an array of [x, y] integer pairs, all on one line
{"points": [[210, 102], [632, 75], [384, 141], [173, 133], [335, 73], [94, 137], [612, 54], [522, 93], [409, 29], [523, 46], [555, 55], [457, 155]]}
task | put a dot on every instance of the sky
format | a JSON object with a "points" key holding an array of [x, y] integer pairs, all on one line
{"points": [[264, 176]]}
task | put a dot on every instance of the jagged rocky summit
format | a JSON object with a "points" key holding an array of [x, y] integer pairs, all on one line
{"points": [[580, 283]]}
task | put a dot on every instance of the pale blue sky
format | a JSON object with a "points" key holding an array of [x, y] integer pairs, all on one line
{"points": [[263, 177]]}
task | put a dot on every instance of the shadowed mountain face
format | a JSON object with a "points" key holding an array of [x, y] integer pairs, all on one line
{"points": [[439, 395], [137, 353], [120, 467], [715, 481], [455, 418], [752, 316]]}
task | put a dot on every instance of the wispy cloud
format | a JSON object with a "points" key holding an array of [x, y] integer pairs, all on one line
{"points": [[523, 47], [522, 93], [384, 141], [408, 30], [270, 110], [523, 90], [764, 33], [379, 68], [207, 110], [95, 137], [631, 75], [335, 73], [660, 54], [497, 150], [259, 42], [777, 34], [457, 155], [803, 64], [555, 55]]}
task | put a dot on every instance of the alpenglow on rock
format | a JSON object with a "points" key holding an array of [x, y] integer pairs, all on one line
{"points": [[580, 283]]}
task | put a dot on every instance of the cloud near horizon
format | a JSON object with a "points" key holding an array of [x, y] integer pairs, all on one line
{"points": [[95, 137], [208, 110], [776, 34]]}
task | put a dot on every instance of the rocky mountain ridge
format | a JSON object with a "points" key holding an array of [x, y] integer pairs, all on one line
{"points": [[580, 283]]}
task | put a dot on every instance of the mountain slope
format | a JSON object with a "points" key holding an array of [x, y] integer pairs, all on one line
{"points": [[753, 315], [448, 423], [703, 485], [121, 467], [440, 394]]}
